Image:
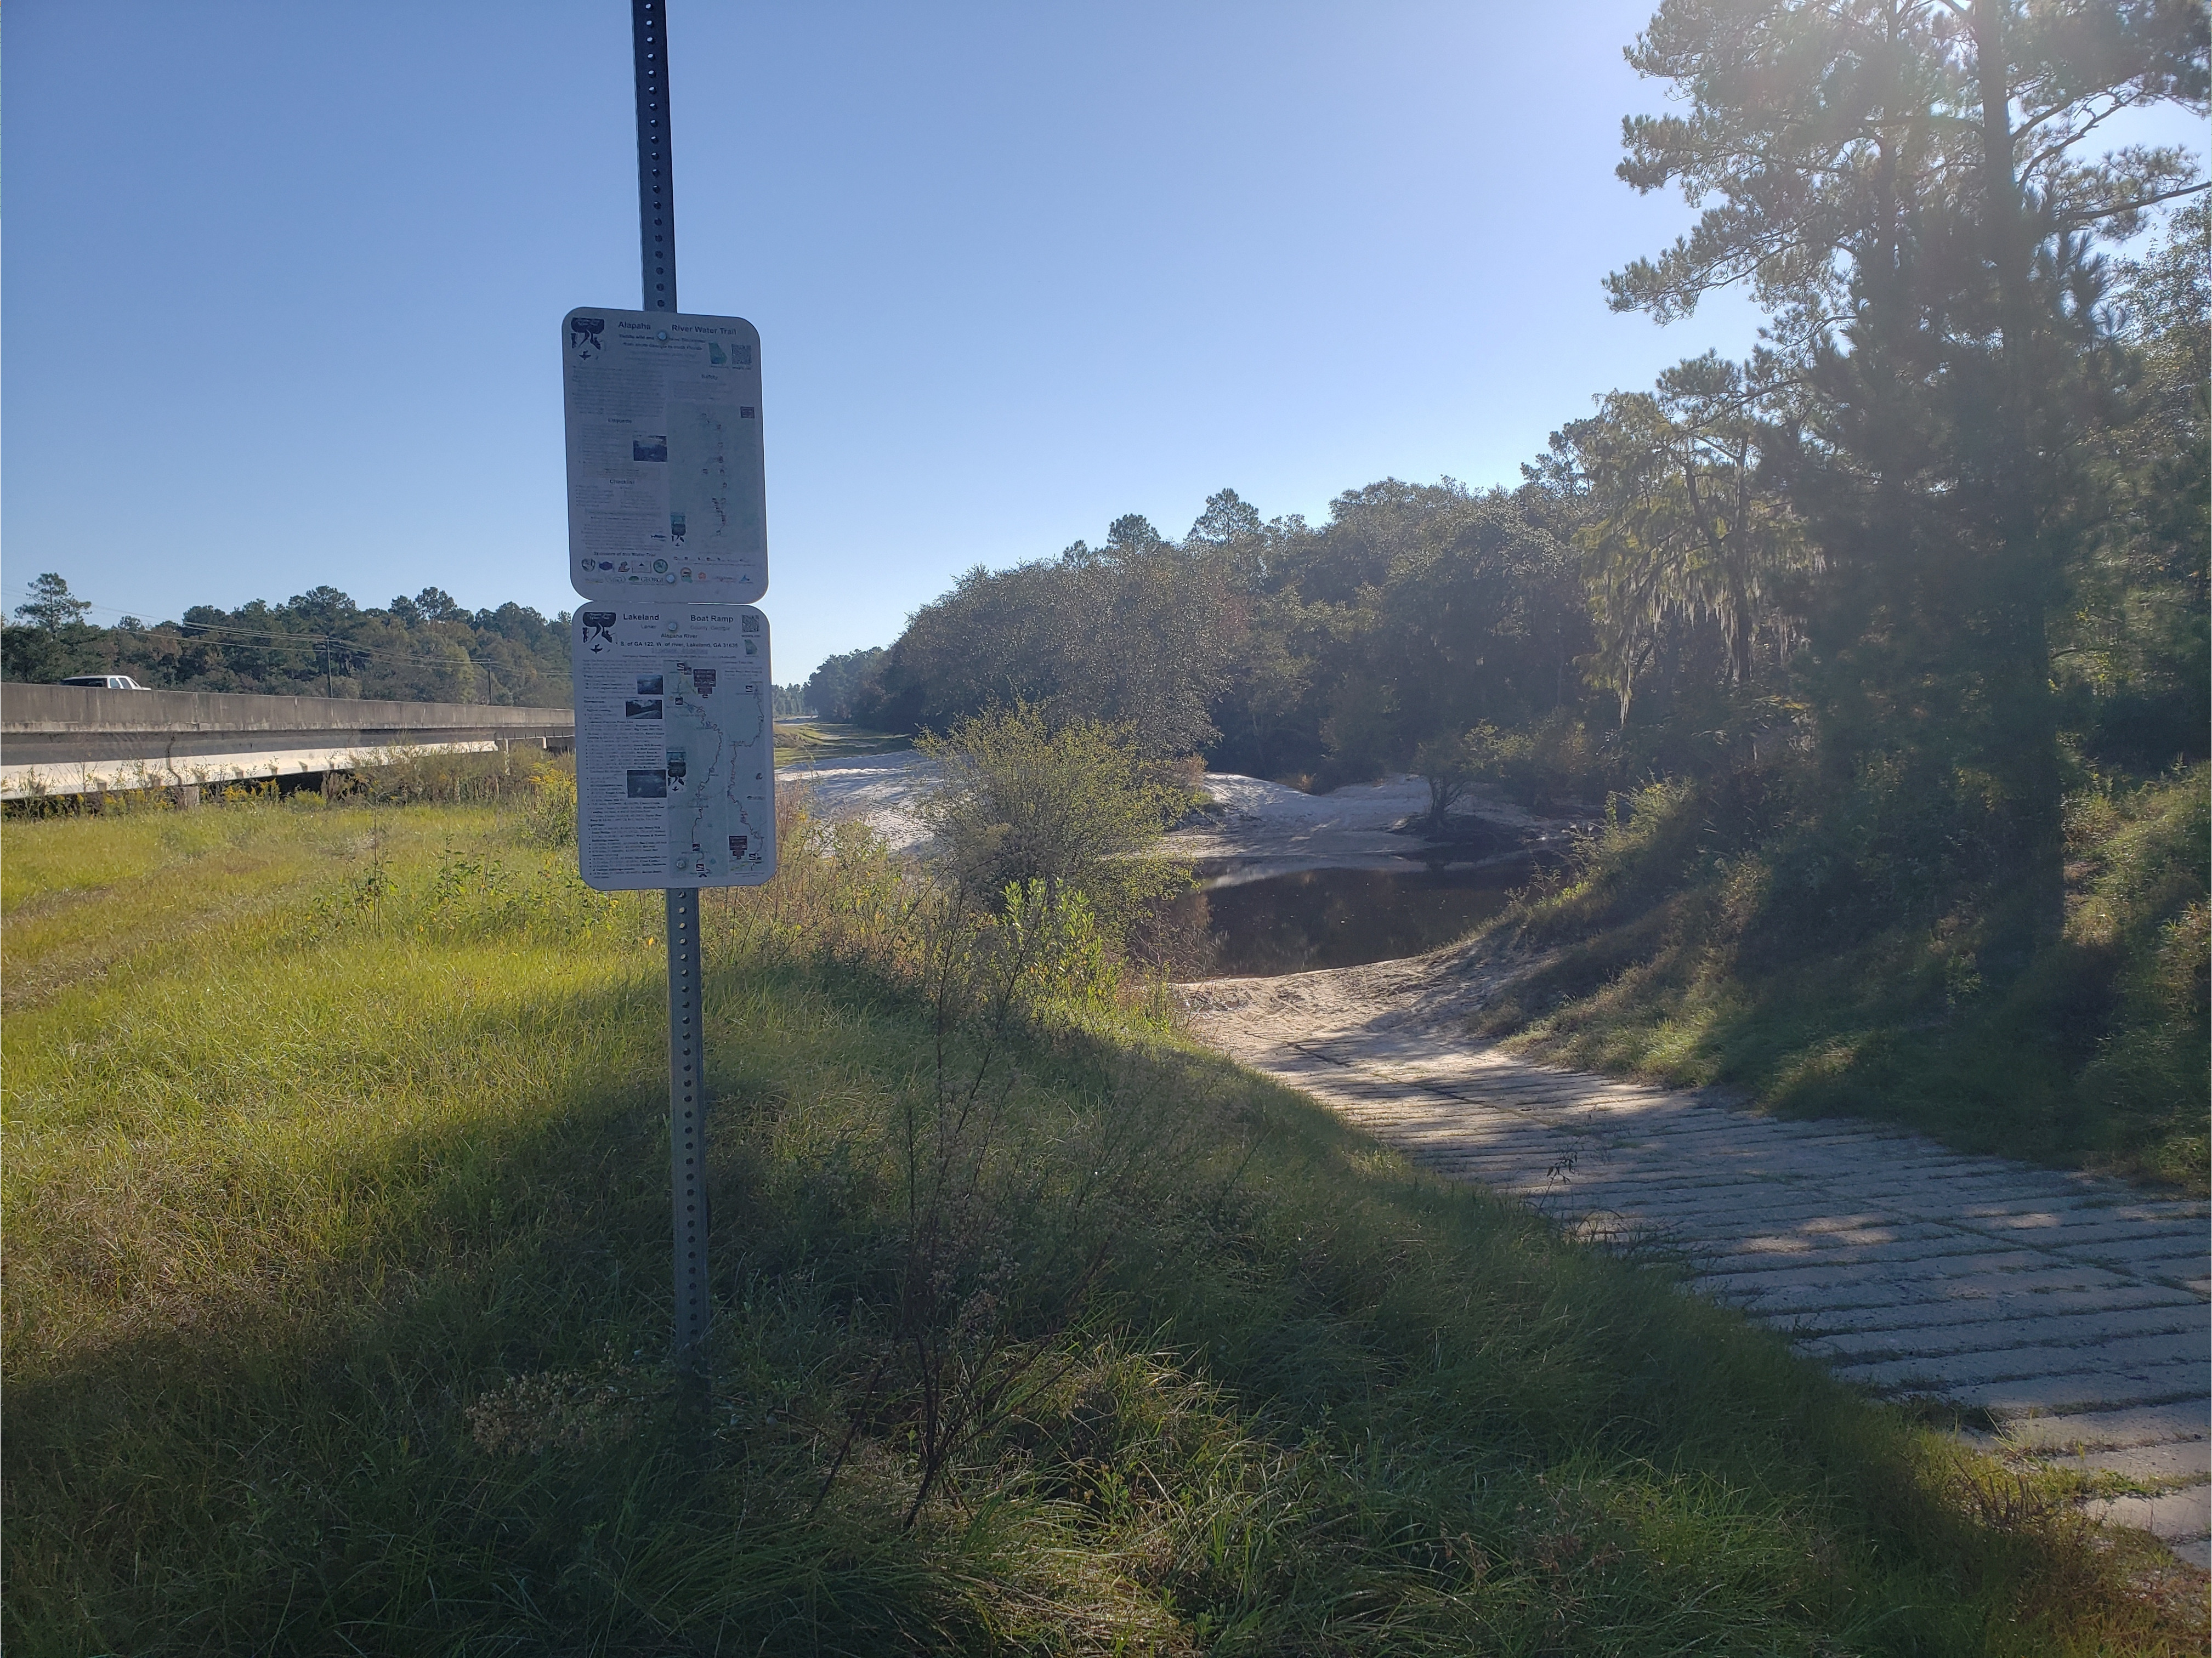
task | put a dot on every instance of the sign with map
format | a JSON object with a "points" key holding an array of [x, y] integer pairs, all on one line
{"points": [[665, 479], [675, 745]]}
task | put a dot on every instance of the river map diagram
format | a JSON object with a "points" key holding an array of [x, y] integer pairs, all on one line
{"points": [[718, 737]]}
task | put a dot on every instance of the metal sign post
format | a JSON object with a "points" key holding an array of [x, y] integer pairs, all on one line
{"points": [[656, 180], [676, 790], [674, 693], [687, 1121], [675, 740], [687, 1095]]}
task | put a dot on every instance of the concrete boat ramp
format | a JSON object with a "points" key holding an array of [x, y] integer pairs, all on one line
{"points": [[2066, 1314]]}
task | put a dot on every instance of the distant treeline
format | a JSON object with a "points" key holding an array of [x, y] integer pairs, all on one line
{"points": [[319, 643], [423, 649], [1271, 647]]}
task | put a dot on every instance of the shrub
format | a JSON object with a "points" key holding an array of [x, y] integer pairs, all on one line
{"points": [[463, 778], [1074, 808]]}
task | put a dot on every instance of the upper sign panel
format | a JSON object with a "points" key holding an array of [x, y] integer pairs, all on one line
{"points": [[665, 482]]}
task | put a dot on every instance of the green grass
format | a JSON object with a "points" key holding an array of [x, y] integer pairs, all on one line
{"points": [[1688, 951], [338, 1295], [803, 742]]}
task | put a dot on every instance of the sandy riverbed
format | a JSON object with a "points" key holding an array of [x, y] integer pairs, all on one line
{"points": [[1256, 828]]}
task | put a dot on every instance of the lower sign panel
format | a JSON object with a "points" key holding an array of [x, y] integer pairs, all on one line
{"points": [[675, 746]]}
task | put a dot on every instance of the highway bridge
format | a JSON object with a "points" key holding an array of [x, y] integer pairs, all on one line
{"points": [[71, 739]]}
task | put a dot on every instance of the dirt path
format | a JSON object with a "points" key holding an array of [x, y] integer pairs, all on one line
{"points": [[2070, 1311]]}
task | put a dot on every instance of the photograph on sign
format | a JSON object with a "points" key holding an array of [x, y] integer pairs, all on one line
{"points": [[674, 747], [665, 472]]}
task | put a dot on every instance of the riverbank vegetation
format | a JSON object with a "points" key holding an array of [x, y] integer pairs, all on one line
{"points": [[1887, 642], [1810, 967], [338, 1294]]}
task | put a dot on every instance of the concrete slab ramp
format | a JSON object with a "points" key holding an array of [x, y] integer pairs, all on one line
{"points": [[2066, 1313]]}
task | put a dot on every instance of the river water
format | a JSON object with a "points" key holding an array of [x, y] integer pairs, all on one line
{"points": [[1325, 918]]}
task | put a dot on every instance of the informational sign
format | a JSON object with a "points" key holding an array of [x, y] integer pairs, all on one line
{"points": [[675, 745], [665, 481]]}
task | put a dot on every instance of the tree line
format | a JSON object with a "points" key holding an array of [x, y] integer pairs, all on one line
{"points": [[319, 643], [429, 648], [1935, 547]]}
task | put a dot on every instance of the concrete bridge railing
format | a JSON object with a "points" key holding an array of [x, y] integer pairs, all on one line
{"points": [[73, 739]]}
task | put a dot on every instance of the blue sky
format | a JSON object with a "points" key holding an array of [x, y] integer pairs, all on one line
{"points": [[281, 282]]}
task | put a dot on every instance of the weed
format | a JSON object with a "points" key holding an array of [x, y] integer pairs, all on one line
{"points": [[564, 1410]]}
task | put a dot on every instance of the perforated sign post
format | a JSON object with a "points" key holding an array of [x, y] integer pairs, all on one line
{"points": [[675, 703]]}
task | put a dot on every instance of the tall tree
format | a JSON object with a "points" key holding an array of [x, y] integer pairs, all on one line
{"points": [[51, 639], [836, 688], [1905, 185], [1684, 526], [2131, 652], [52, 607]]}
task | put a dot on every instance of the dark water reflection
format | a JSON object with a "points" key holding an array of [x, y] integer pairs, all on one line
{"points": [[1342, 917]]}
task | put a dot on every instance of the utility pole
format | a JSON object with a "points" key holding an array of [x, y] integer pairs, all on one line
{"points": [[687, 1091]]}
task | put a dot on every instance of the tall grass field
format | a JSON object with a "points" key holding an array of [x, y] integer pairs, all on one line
{"points": [[337, 1302]]}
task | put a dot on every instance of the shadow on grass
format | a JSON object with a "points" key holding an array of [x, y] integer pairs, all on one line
{"points": [[300, 1474], [1347, 1408]]}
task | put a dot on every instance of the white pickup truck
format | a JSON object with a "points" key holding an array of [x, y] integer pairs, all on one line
{"points": [[105, 681]]}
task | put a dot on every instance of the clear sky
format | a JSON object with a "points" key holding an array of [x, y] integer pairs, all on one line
{"points": [[281, 282]]}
